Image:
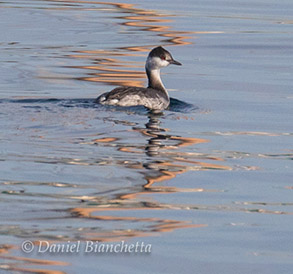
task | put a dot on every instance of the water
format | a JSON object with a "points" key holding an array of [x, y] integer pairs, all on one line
{"points": [[208, 184]]}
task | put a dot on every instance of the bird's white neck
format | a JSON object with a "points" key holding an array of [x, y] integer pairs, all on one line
{"points": [[155, 81]]}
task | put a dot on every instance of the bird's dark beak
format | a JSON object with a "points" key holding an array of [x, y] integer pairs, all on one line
{"points": [[174, 62]]}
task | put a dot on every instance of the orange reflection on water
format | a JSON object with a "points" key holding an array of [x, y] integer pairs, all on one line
{"points": [[24, 264], [176, 162], [105, 65], [105, 140], [155, 172], [155, 225]]}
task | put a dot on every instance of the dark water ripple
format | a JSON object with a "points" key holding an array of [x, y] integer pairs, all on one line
{"points": [[175, 104]]}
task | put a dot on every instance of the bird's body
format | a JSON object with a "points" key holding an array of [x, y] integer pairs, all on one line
{"points": [[135, 96], [155, 96]]}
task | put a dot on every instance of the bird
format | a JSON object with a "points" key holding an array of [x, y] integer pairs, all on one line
{"points": [[154, 96]]}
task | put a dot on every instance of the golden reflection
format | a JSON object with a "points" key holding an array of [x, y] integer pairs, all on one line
{"points": [[160, 166], [107, 66], [27, 265], [174, 165]]}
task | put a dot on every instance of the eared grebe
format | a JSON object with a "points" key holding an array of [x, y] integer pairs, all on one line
{"points": [[155, 96]]}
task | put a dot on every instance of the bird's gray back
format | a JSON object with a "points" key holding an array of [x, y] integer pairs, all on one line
{"points": [[131, 96]]}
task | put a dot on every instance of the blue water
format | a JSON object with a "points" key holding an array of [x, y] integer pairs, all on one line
{"points": [[207, 183]]}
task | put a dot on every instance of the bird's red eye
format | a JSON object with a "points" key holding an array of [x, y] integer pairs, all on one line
{"points": [[163, 57]]}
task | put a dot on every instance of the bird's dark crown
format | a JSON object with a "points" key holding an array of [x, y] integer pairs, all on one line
{"points": [[161, 53]]}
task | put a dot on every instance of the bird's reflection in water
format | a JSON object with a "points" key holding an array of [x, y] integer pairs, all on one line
{"points": [[165, 162], [158, 163], [157, 133]]}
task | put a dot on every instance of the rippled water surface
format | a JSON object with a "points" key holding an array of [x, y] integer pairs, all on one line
{"points": [[207, 183]]}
